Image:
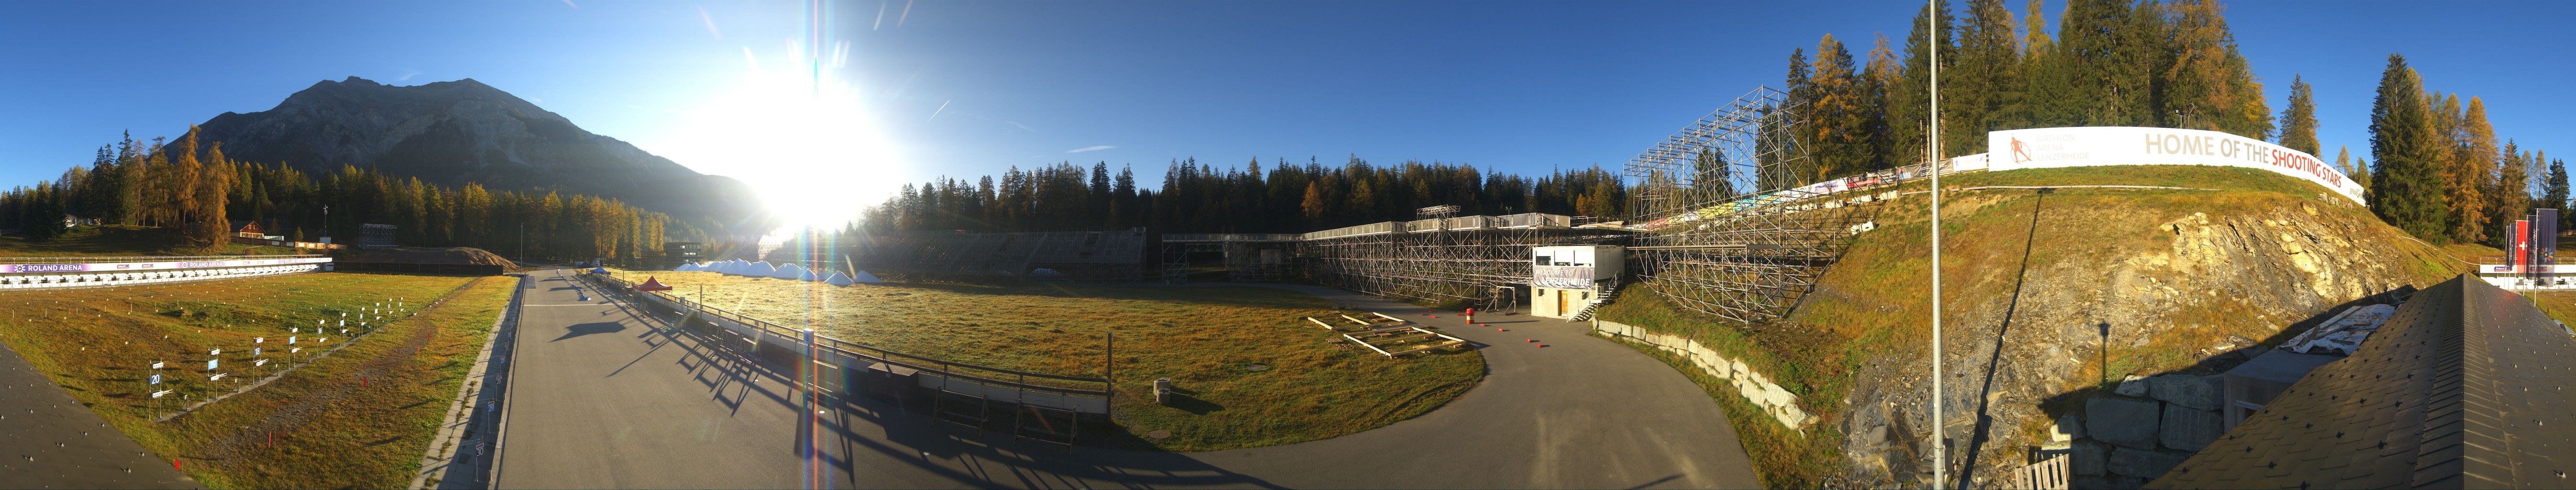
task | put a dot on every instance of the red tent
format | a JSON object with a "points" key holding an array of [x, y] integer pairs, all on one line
{"points": [[651, 285]]}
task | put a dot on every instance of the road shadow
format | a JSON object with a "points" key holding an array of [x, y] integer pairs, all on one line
{"points": [[854, 437], [1994, 361], [581, 329]]}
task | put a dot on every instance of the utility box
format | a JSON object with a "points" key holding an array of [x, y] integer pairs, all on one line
{"points": [[1163, 391], [1565, 279]]}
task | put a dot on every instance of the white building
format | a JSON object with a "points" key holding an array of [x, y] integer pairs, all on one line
{"points": [[1565, 279]]}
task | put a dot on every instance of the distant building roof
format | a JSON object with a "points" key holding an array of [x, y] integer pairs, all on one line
{"points": [[2465, 387]]}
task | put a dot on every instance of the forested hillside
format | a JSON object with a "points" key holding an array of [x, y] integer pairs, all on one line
{"points": [[1198, 198], [195, 188]]}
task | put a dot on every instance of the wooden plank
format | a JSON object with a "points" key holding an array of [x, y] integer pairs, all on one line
{"points": [[1354, 320], [1445, 336], [1356, 340], [1319, 323], [1383, 315]]}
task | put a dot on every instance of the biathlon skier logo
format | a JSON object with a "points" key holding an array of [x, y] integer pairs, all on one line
{"points": [[2020, 150]]}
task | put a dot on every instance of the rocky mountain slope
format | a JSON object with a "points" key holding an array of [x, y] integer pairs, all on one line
{"points": [[2050, 297], [454, 132]]}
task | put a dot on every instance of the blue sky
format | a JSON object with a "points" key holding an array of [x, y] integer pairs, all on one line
{"points": [[970, 88]]}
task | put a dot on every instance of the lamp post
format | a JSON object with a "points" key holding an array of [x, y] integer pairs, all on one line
{"points": [[1940, 431]]}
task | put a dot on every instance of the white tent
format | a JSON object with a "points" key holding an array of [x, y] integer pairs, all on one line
{"points": [[837, 280], [761, 269], [808, 275], [789, 271], [731, 267], [685, 267], [865, 277]]}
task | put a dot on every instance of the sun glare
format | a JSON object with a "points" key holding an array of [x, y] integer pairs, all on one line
{"points": [[799, 136]]}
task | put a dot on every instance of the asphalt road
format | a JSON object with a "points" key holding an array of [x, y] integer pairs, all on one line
{"points": [[605, 399], [48, 440]]}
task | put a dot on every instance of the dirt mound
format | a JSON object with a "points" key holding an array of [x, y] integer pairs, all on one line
{"points": [[432, 256]]}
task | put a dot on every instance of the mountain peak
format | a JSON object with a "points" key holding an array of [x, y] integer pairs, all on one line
{"points": [[459, 131]]}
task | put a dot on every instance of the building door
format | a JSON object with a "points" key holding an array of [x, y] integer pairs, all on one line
{"points": [[1560, 303]]}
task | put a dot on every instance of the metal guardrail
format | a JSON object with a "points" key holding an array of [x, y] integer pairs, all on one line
{"points": [[859, 351], [148, 258]]}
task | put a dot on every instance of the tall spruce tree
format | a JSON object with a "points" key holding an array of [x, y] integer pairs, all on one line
{"points": [[2472, 172], [2299, 122], [2554, 195], [2406, 188], [1908, 98], [1985, 87]]}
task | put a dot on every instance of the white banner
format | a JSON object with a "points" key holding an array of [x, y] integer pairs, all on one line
{"points": [[154, 266], [2114, 145]]}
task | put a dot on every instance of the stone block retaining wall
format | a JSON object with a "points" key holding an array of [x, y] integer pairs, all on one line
{"points": [[1756, 388], [2141, 429]]}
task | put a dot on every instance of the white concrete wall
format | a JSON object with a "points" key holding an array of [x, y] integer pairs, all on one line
{"points": [[1756, 388]]}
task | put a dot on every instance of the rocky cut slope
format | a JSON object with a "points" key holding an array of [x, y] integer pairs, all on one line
{"points": [[2050, 296], [453, 132]]}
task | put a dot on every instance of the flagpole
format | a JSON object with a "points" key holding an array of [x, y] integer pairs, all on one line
{"points": [[1940, 432]]}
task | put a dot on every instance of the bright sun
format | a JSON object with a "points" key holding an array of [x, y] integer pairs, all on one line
{"points": [[801, 137]]}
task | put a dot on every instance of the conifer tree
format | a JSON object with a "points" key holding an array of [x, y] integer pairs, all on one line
{"points": [[2299, 122], [2210, 85], [2472, 173], [1985, 85], [1908, 99], [2406, 187], [2555, 194], [2507, 199]]}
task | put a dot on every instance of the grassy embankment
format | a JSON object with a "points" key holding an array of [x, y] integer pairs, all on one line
{"points": [[1871, 303], [330, 431], [123, 241], [1204, 338]]}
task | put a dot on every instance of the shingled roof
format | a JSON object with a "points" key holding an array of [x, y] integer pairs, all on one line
{"points": [[2467, 386]]}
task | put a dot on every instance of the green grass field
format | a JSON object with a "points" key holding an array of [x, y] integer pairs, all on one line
{"points": [[122, 240], [1205, 338], [330, 432]]}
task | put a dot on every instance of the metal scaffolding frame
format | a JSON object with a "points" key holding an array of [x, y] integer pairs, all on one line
{"points": [[1746, 238], [1441, 259]]}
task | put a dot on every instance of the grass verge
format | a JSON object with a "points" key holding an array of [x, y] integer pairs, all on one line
{"points": [[331, 431], [1251, 370]]}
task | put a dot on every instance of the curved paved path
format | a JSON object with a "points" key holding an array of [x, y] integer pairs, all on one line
{"points": [[603, 398]]}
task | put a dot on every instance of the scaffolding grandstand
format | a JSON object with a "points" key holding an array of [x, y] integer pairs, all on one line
{"points": [[1723, 231], [1090, 256], [1443, 259]]}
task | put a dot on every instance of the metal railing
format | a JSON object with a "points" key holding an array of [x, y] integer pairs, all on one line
{"points": [[985, 375], [147, 258]]}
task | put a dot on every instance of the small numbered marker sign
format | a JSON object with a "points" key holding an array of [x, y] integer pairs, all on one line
{"points": [[210, 364], [156, 379]]}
